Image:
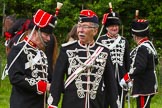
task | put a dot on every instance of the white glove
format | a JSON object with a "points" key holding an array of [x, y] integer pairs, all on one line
{"points": [[122, 83]]}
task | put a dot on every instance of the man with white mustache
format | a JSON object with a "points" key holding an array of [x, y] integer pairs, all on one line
{"points": [[88, 69]]}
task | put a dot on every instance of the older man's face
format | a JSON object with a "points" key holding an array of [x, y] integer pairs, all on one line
{"points": [[86, 32]]}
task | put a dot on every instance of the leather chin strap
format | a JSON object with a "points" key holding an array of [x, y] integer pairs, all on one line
{"points": [[40, 36]]}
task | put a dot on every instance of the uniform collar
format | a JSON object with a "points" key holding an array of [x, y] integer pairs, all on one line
{"points": [[143, 40], [30, 42], [88, 44]]}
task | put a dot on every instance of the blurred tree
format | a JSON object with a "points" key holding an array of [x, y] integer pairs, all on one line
{"points": [[68, 16]]}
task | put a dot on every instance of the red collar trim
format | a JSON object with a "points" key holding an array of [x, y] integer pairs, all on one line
{"points": [[30, 42], [142, 40]]}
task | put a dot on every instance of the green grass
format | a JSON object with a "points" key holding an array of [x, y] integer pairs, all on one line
{"points": [[5, 86], [5, 90], [155, 103]]}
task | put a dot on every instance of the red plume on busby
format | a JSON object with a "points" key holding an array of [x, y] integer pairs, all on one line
{"points": [[105, 21], [140, 27], [88, 16], [112, 19]]}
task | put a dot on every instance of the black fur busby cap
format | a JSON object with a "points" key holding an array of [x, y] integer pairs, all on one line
{"points": [[140, 27], [112, 19], [88, 16]]}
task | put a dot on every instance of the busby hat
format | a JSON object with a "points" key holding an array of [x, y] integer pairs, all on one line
{"points": [[43, 21], [140, 27], [88, 16], [112, 19], [49, 28]]}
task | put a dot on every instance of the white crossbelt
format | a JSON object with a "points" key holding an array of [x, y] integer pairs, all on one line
{"points": [[82, 68], [152, 49], [33, 61], [115, 43]]}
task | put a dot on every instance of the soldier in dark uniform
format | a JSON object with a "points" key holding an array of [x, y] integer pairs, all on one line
{"points": [[143, 61], [119, 50], [27, 64], [88, 69], [14, 35]]}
